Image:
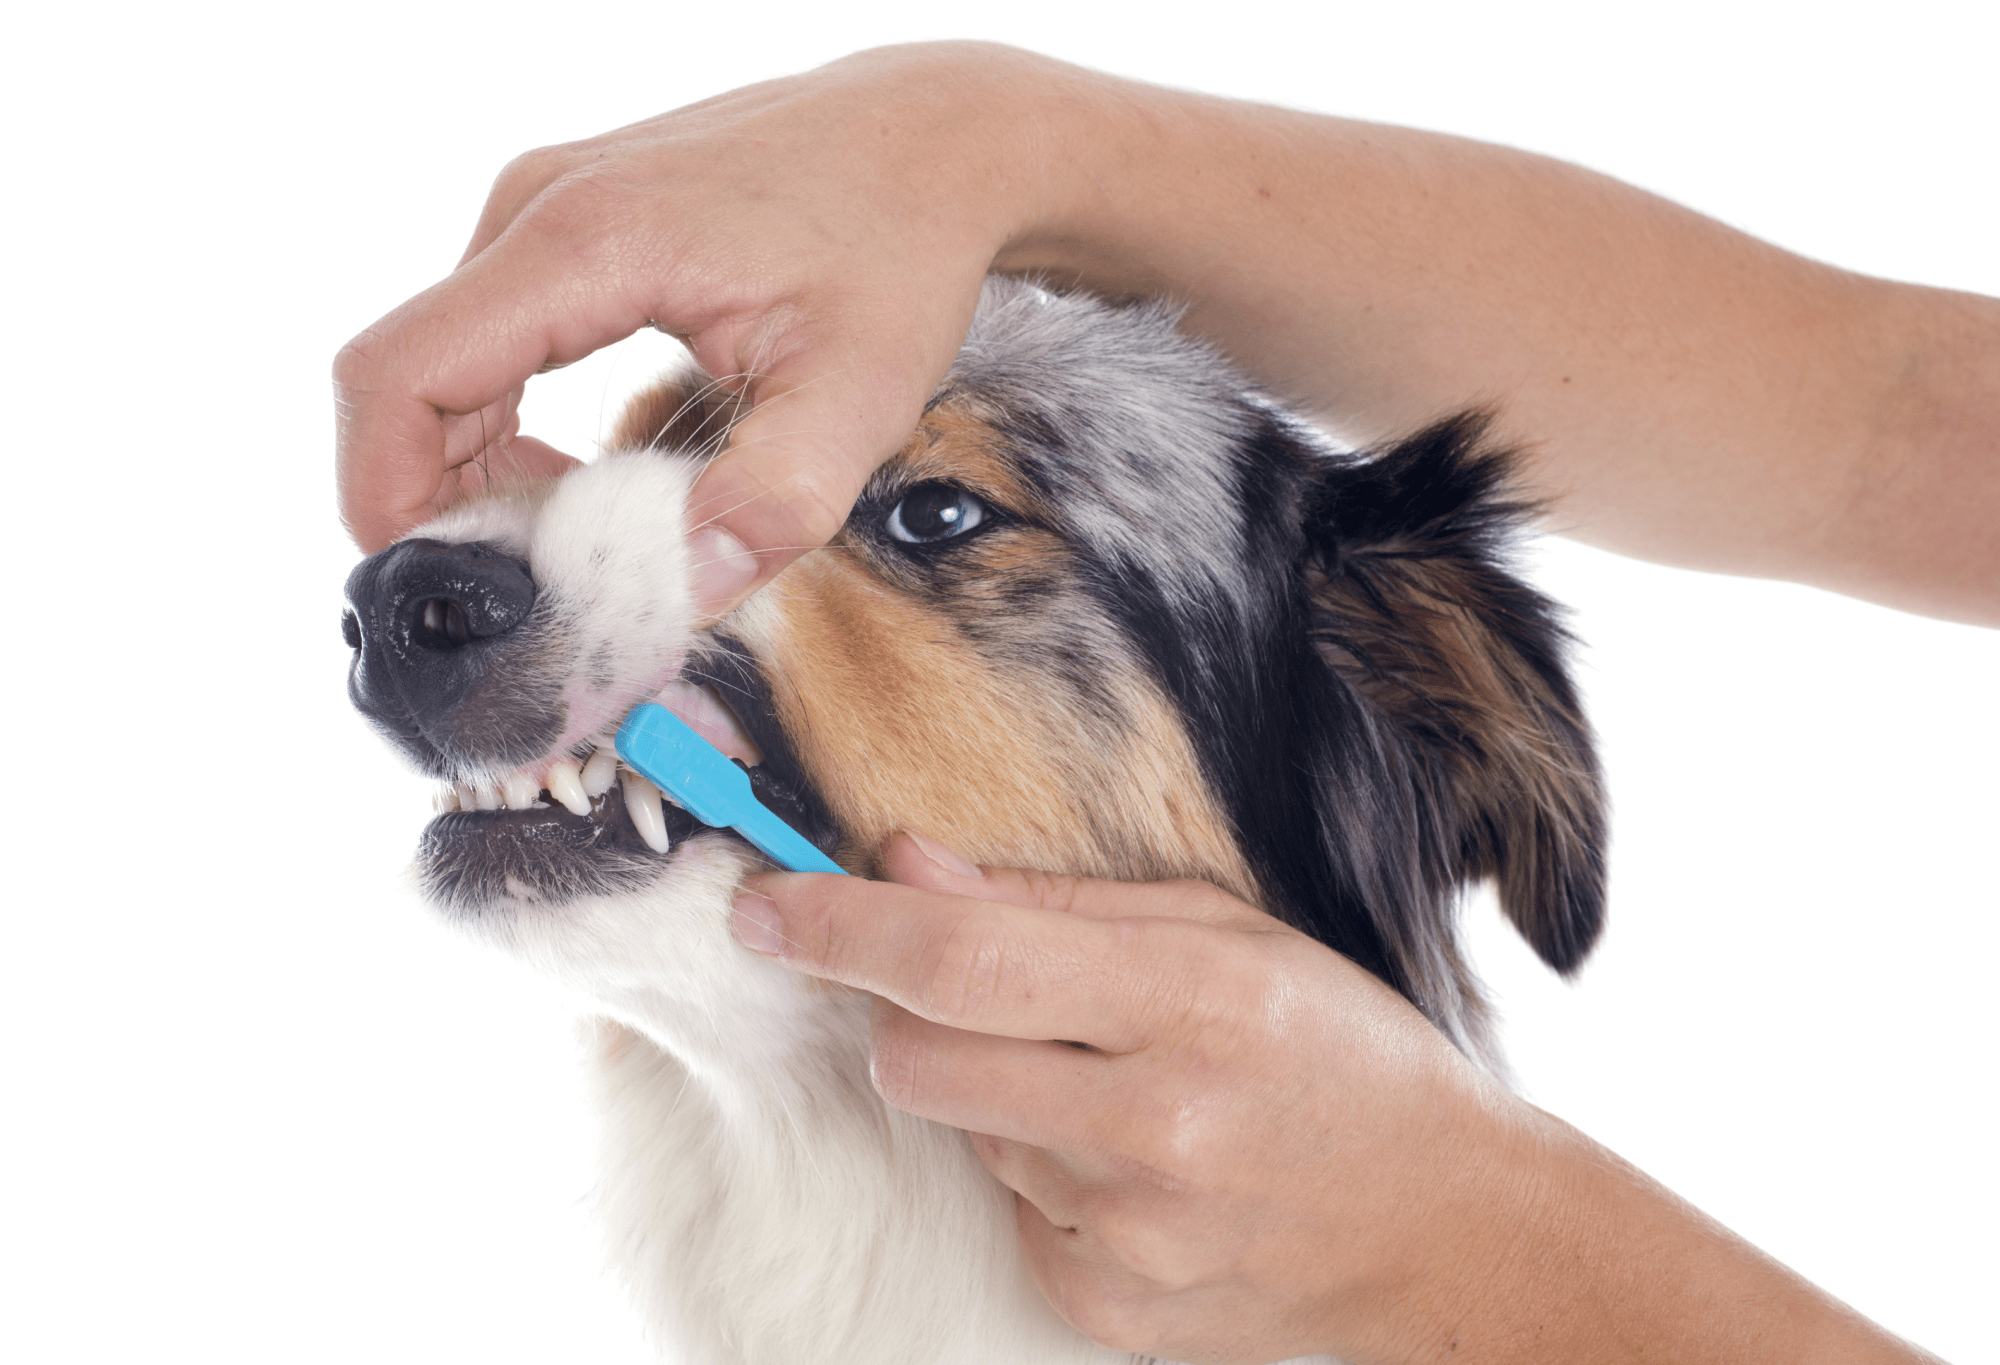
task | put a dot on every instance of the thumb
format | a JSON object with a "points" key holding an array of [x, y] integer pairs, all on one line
{"points": [[827, 413]]}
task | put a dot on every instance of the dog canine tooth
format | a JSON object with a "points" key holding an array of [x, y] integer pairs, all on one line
{"points": [[445, 799], [642, 801], [1188, 637], [566, 785], [601, 771]]}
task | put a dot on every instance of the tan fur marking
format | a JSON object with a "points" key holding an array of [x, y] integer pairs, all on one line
{"points": [[681, 412], [956, 442], [899, 726]]}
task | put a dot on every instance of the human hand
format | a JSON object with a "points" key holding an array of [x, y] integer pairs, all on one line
{"points": [[818, 242], [1246, 1148], [1260, 1151]]}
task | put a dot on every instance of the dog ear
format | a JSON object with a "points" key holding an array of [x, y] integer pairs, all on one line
{"points": [[1414, 608], [686, 412]]}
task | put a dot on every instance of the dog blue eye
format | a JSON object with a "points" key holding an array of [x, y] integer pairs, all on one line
{"points": [[935, 511]]}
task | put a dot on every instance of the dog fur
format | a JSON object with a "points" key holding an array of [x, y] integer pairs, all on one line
{"points": [[1187, 637]]}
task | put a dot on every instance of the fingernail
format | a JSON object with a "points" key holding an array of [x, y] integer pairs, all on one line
{"points": [[754, 921], [942, 856], [723, 568]]}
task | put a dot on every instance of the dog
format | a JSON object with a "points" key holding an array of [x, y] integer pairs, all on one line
{"points": [[1111, 611]]}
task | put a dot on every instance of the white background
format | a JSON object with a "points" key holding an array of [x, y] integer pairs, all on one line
{"points": [[259, 1106]]}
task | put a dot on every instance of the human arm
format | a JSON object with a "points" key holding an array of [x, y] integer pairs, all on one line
{"points": [[1687, 393], [1266, 1152]]}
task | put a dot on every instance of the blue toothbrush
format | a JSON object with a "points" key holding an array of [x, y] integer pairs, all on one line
{"points": [[665, 750]]}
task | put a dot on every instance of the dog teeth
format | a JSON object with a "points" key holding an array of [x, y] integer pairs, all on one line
{"points": [[573, 785], [710, 717], [642, 801], [600, 772], [566, 785]]}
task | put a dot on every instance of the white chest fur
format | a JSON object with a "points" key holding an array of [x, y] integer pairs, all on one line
{"points": [[765, 1205]]}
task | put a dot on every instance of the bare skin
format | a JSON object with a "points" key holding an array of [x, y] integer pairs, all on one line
{"points": [[1690, 394], [1687, 394], [1395, 1205]]}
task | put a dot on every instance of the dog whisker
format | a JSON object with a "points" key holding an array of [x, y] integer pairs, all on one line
{"points": [[1197, 641]]}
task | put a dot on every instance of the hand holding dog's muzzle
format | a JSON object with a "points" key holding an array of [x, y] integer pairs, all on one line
{"points": [[825, 278]]}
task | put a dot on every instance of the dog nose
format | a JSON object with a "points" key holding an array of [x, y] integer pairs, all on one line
{"points": [[427, 620]]}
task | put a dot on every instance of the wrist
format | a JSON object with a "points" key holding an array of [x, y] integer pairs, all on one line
{"points": [[1498, 1196], [992, 131], [1546, 1249], [1108, 152]]}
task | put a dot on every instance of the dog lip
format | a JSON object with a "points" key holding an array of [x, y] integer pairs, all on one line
{"points": [[475, 863], [529, 847], [469, 861], [550, 820]]}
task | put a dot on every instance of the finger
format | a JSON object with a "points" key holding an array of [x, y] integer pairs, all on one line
{"points": [[473, 435], [1039, 1176], [1092, 1291], [524, 460], [1018, 971], [459, 348], [915, 859], [520, 182], [1018, 1089], [833, 397], [520, 460]]}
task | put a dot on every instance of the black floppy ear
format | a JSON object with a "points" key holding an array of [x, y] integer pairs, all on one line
{"points": [[1414, 608]]}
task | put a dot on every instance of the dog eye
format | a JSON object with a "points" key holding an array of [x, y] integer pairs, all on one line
{"points": [[935, 511]]}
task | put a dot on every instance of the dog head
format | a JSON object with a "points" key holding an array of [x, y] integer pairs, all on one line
{"points": [[1108, 612]]}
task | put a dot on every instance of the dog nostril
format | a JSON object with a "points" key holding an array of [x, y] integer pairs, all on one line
{"points": [[443, 625], [350, 629]]}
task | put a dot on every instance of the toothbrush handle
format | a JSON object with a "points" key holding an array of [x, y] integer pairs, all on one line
{"points": [[781, 843], [662, 748]]}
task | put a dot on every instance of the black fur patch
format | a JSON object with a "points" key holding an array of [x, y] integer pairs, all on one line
{"points": [[1380, 703], [780, 783]]}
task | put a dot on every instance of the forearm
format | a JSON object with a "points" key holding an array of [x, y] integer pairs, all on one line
{"points": [[1686, 392], [1578, 1257]]}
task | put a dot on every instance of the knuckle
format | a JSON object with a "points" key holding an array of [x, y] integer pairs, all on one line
{"points": [[1113, 1319], [1165, 1142], [816, 511], [996, 1154], [531, 170], [1147, 1250], [819, 924], [1199, 900], [967, 970], [355, 364], [894, 1063], [575, 209], [1052, 890], [1214, 982]]}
